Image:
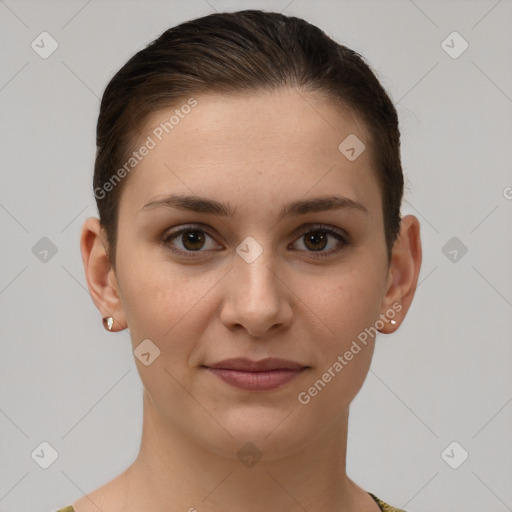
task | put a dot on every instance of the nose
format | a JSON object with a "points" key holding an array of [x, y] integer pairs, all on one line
{"points": [[257, 298]]}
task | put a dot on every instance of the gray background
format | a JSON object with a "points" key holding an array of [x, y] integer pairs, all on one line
{"points": [[444, 376]]}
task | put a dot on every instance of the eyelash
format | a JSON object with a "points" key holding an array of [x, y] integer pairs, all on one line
{"points": [[312, 229]]}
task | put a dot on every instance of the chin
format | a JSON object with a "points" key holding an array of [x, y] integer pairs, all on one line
{"points": [[264, 431]]}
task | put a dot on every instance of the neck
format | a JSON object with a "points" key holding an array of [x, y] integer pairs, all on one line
{"points": [[175, 469]]}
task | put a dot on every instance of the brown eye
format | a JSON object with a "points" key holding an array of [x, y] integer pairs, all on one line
{"points": [[318, 238], [192, 240], [189, 240]]}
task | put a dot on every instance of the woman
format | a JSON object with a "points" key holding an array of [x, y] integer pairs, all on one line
{"points": [[249, 183]]}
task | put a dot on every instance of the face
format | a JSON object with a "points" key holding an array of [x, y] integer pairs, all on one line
{"points": [[244, 281]]}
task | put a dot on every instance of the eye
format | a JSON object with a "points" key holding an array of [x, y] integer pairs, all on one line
{"points": [[190, 240], [316, 239]]}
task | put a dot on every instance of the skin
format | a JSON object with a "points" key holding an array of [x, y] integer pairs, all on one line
{"points": [[255, 153]]}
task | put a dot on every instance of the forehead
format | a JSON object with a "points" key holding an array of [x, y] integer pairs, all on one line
{"points": [[273, 144]]}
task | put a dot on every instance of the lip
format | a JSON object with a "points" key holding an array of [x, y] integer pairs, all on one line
{"points": [[263, 375]]}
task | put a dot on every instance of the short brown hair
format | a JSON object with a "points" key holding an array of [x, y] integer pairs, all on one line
{"points": [[238, 52]]}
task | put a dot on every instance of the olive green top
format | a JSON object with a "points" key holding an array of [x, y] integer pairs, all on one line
{"points": [[383, 506]]}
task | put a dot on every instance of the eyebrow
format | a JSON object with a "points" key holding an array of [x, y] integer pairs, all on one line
{"points": [[300, 207]]}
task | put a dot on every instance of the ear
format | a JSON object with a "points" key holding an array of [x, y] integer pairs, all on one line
{"points": [[101, 278], [403, 273]]}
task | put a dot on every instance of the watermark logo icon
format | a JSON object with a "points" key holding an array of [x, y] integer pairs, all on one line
{"points": [[44, 455], [454, 45], [44, 45], [249, 249], [454, 249], [249, 455], [352, 147], [146, 352], [454, 455], [44, 250]]}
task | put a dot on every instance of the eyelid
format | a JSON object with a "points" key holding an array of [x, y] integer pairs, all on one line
{"points": [[306, 228], [188, 227]]}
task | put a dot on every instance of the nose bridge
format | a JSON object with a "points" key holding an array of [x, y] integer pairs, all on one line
{"points": [[256, 277], [256, 300], [258, 280]]}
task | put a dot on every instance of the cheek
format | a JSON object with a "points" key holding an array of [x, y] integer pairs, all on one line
{"points": [[146, 294], [348, 308], [163, 305], [348, 302], [164, 302]]}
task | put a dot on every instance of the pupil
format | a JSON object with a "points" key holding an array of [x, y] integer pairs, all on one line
{"points": [[316, 239], [193, 240]]}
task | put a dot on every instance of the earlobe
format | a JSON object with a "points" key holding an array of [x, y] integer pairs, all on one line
{"points": [[403, 274], [100, 276]]}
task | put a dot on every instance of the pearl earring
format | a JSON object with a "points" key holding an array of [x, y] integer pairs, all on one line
{"points": [[108, 322]]}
